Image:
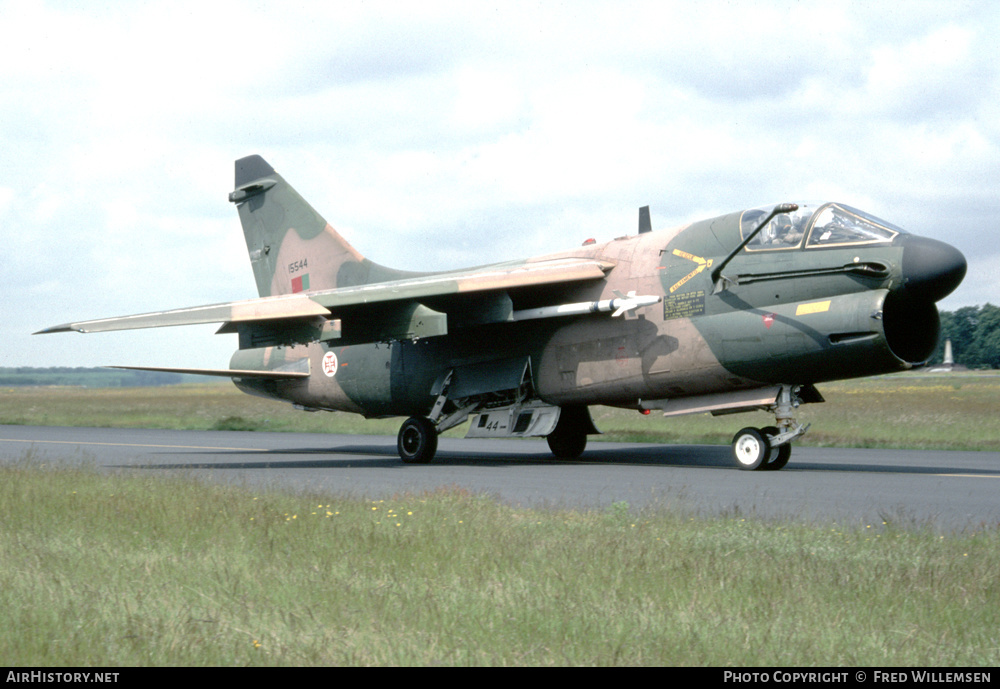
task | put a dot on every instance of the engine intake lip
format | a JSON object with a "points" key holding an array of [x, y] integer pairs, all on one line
{"points": [[912, 327]]}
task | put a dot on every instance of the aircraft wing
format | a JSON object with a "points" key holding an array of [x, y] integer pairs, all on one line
{"points": [[267, 308], [491, 278], [372, 312]]}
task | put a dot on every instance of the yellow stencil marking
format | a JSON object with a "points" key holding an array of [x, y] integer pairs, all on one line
{"points": [[702, 265], [814, 307]]}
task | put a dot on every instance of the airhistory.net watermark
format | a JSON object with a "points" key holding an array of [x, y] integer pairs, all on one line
{"points": [[61, 677]]}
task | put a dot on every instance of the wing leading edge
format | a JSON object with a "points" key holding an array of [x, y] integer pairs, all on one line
{"points": [[267, 308]]}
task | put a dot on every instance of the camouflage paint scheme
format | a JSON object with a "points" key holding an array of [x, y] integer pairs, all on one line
{"points": [[820, 292]]}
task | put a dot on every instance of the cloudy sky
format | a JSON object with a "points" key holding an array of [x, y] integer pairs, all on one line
{"points": [[440, 135]]}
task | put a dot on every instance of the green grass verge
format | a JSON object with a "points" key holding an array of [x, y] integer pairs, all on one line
{"points": [[913, 411], [99, 570]]}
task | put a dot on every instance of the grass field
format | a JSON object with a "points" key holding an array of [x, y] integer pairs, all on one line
{"points": [[940, 411], [126, 570], [109, 571]]}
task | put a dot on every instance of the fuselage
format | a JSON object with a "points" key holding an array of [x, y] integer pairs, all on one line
{"points": [[825, 293]]}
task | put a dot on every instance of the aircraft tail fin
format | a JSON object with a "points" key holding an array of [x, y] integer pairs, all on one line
{"points": [[292, 248]]}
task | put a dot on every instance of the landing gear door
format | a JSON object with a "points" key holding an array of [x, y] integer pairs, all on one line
{"points": [[528, 420]]}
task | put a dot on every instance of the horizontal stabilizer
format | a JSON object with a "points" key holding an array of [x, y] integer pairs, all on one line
{"points": [[221, 372]]}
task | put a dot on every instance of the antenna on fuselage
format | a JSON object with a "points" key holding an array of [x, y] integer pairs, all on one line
{"points": [[644, 224], [720, 281]]}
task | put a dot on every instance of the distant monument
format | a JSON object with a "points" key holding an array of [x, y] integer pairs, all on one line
{"points": [[948, 365]]}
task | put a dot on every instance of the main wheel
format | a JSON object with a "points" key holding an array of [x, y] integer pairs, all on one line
{"points": [[569, 439], [417, 441], [750, 449], [567, 445]]}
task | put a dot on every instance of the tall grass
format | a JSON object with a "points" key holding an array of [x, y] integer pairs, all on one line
{"points": [[131, 570]]}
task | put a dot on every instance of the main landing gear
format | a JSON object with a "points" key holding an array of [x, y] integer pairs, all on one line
{"points": [[769, 448], [417, 440], [566, 429], [569, 439]]}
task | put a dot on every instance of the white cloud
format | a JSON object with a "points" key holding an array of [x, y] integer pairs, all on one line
{"points": [[6, 200], [925, 75], [440, 134]]}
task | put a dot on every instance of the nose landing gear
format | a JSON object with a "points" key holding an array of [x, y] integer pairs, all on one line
{"points": [[768, 448]]}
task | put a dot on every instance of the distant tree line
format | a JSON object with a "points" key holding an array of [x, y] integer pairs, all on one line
{"points": [[974, 332], [87, 377]]}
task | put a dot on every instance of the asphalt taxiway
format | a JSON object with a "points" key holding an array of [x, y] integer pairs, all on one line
{"points": [[939, 489]]}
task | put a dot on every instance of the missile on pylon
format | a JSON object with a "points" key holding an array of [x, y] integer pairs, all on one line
{"points": [[623, 303]]}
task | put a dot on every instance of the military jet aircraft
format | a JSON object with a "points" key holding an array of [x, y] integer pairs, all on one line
{"points": [[746, 311]]}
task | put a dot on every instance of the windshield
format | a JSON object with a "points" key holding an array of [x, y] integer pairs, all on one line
{"points": [[837, 225], [826, 225]]}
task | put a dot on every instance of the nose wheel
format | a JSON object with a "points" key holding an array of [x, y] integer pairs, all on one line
{"points": [[769, 448], [779, 455], [751, 449]]}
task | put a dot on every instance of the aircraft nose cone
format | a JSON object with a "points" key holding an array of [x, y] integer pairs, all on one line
{"points": [[931, 269]]}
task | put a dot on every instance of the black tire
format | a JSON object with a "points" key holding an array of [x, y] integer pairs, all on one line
{"points": [[417, 440], [751, 449], [569, 439], [779, 458], [567, 446], [779, 455]]}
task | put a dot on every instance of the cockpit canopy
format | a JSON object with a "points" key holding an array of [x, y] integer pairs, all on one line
{"points": [[819, 225]]}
